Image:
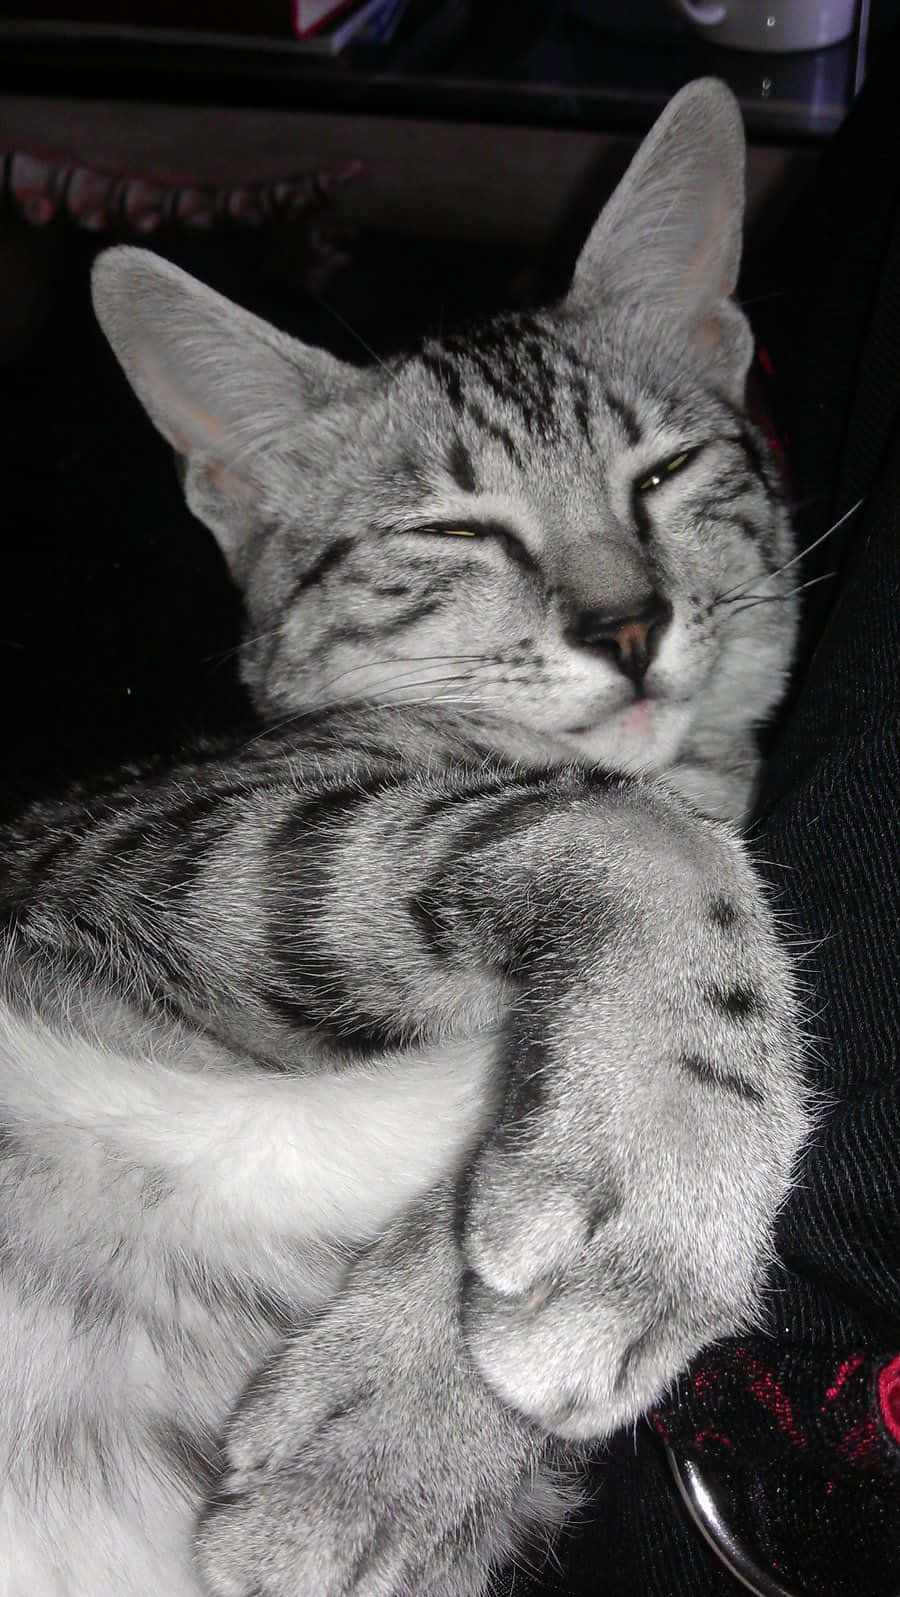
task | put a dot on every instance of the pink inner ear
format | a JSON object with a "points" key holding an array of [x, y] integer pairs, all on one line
{"points": [[711, 271], [217, 482], [708, 336], [188, 426], [193, 428]]}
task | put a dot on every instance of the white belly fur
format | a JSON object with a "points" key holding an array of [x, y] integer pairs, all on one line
{"points": [[279, 1179]]}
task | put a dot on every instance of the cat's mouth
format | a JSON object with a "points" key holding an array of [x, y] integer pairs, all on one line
{"points": [[644, 733], [635, 714]]}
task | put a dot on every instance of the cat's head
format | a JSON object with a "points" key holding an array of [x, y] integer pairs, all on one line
{"points": [[561, 519]]}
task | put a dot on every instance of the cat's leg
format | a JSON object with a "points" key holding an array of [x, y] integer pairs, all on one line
{"points": [[617, 1218], [619, 1215], [369, 1458]]}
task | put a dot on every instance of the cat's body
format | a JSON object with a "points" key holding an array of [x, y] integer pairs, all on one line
{"points": [[263, 1013]]}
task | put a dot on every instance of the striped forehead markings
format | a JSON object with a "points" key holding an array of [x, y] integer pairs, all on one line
{"points": [[625, 416], [516, 362], [531, 370], [461, 467]]}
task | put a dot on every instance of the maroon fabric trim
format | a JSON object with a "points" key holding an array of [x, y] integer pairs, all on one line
{"points": [[803, 1445], [887, 1387]]}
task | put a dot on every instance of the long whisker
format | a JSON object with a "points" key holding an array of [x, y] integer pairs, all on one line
{"points": [[315, 707], [772, 598], [406, 704], [245, 643], [272, 728], [296, 718], [780, 598], [414, 681], [404, 659], [770, 576], [379, 361], [821, 539]]}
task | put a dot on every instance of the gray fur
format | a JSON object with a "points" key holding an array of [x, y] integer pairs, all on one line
{"points": [[427, 1063]]}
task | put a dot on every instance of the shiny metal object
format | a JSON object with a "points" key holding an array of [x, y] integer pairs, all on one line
{"points": [[706, 1510]]}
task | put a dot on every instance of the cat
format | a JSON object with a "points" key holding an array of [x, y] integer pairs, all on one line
{"points": [[397, 1100]]}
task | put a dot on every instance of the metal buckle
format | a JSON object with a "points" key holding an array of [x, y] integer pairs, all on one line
{"points": [[705, 1509]]}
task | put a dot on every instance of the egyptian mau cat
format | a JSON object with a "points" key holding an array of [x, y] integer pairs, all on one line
{"points": [[394, 1101]]}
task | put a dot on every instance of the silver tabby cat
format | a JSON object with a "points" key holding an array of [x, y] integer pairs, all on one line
{"points": [[395, 1101]]}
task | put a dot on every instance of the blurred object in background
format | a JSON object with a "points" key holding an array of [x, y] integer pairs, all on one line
{"points": [[770, 25], [319, 27]]}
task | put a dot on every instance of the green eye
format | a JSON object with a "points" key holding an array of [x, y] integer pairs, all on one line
{"points": [[667, 468]]}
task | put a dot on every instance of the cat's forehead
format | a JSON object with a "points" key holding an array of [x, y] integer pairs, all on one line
{"points": [[532, 391]]}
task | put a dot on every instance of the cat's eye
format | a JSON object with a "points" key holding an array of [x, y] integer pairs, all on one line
{"points": [[665, 470], [452, 532], [486, 531]]}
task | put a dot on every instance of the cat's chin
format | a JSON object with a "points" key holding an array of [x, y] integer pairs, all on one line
{"points": [[643, 736]]}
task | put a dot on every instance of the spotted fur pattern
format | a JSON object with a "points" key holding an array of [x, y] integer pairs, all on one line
{"points": [[398, 1100]]}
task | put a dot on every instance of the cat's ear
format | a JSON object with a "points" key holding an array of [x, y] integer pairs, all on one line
{"points": [[669, 239], [224, 387]]}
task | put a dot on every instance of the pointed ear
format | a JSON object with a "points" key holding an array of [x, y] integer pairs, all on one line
{"points": [[225, 388], [669, 239]]}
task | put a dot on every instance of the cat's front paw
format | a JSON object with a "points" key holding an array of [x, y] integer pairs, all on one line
{"points": [[369, 1460], [611, 1295], [621, 1215]]}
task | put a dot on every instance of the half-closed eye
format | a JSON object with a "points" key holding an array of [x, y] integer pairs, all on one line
{"points": [[451, 532], [493, 530], [666, 469]]}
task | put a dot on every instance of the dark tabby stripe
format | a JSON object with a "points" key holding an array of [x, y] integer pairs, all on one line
{"points": [[703, 1071], [497, 826], [386, 626], [460, 466], [327, 561], [723, 912], [192, 1459], [581, 406], [625, 416], [641, 517], [496, 430], [509, 358], [447, 377], [737, 1002], [306, 986]]}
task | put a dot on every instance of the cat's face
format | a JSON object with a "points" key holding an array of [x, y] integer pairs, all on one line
{"points": [[538, 522], [559, 520]]}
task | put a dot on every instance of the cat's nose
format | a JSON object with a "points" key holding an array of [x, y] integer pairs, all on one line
{"points": [[630, 638]]}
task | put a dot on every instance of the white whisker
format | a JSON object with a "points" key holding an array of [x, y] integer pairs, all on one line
{"points": [[753, 599], [391, 372], [801, 555]]}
